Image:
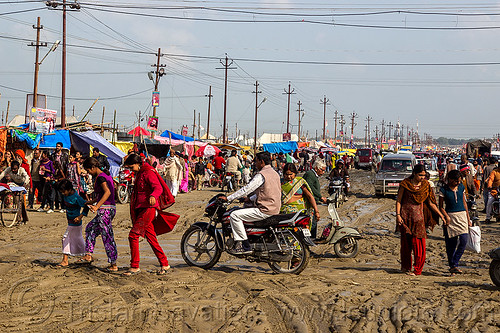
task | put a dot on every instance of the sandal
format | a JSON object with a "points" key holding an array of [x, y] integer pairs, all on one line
{"points": [[111, 269], [130, 273], [456, 270], [83, 261], [164, 271], [61, 266], [410, 273]]}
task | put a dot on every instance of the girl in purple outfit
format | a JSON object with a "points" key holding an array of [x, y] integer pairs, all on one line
{"points": [[104, 205]]}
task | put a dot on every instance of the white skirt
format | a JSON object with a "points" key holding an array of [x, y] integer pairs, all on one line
{"points": [[458, 224], [72, 241]]}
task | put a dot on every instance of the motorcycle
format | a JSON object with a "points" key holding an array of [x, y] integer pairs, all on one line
{"points": [[495, 266], [344, 239], [495, 206], [229, 182], [125, 185], [336, 190], [472, 207], [281, 241]]}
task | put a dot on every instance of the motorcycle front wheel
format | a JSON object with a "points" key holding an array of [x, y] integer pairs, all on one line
{"points": [[199, 248], [300, 256], [495, 272], [122, 193], [346, 247]]}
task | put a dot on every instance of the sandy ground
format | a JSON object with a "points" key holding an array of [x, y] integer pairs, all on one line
{"points": [[364, 294]]}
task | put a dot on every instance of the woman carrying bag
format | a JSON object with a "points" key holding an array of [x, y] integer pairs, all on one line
{"points": [[149, 197]]}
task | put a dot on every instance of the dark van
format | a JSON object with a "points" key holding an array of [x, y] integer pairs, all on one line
{"points": [[365, 158]]}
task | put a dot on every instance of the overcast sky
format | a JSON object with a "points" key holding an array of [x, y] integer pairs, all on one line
{"points": [[417, 65]]}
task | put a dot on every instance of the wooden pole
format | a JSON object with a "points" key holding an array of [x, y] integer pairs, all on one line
{"points": [[102, 121], [7, 114], [114, 127]]}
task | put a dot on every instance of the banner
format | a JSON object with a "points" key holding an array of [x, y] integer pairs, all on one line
{"points": [[184, 131], [155, 101], [153, 123], [42, 120]]}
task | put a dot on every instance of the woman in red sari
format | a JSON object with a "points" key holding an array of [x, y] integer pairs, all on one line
{"points": [[416, 210], [144, 207]]}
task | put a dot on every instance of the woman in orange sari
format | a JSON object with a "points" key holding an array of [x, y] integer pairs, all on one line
{"points": [[416, 210]]}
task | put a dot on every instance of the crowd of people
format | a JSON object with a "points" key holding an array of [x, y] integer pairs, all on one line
{"points": [[76, 185]]}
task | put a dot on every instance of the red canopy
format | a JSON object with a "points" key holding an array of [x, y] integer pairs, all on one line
{"points": [[138, 131]]}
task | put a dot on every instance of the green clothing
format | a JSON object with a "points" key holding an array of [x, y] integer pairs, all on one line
{"points": [[289, 189], [313, 182]]}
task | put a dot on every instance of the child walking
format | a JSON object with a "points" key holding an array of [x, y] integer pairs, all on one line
{"points": [[104, 205], [72, 242]]}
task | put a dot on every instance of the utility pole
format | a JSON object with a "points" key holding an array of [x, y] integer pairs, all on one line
{"points": [[208, 119], [159, 72], [342, 123], [324, 101], [403, 134], [299, 110], [37, 45], [194, 121], [256, 92], [114, 125], [199, 124], [366, 130], [102, 121], [382, 131], [336, 118], [63, 79], [390, 125], [73, 110], [289, 93], [227, 65], [368, 120], [376, 136], [354, 115]]}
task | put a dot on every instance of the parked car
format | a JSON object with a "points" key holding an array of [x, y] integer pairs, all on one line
{"points": [[393, 169], [365, 158]]}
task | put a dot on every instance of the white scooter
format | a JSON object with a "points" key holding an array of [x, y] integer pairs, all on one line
{"points": [[343, 238]]}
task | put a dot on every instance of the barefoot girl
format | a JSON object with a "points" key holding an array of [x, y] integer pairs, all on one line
{"points": [[72, 242], [104, 205]]}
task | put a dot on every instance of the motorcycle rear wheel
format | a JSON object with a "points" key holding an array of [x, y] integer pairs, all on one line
{"points": [[495, 272], [199, 248], [122, 193], [346, 247], [213, 181], [300, 259]]}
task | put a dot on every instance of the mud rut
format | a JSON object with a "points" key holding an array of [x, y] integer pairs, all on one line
{"points": [[366, 293]]}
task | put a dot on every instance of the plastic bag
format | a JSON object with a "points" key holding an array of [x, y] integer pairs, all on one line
{"points": [[474, 241]]}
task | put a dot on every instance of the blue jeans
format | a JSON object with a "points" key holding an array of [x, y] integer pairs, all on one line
{"points": [[453, 251]]}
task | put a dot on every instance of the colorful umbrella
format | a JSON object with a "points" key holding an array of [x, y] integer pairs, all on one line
{"points": [[207, 151], [138, 131]]}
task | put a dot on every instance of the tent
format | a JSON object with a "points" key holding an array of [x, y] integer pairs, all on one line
{"points": [[81, 141], [281, 147], [478, 147], [138, 131], [168, 134]]}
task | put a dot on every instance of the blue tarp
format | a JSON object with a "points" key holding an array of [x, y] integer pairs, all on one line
{"points": [[45, 140], [50, 140], [168, 134], [82, 141], [281, 147]]}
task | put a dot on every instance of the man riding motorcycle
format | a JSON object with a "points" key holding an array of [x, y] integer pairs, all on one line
{"points": [[267, 187], [340, 171]]}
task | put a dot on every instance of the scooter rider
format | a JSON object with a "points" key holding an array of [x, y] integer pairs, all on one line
{"points": [[340, 171], [267, 187]]}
